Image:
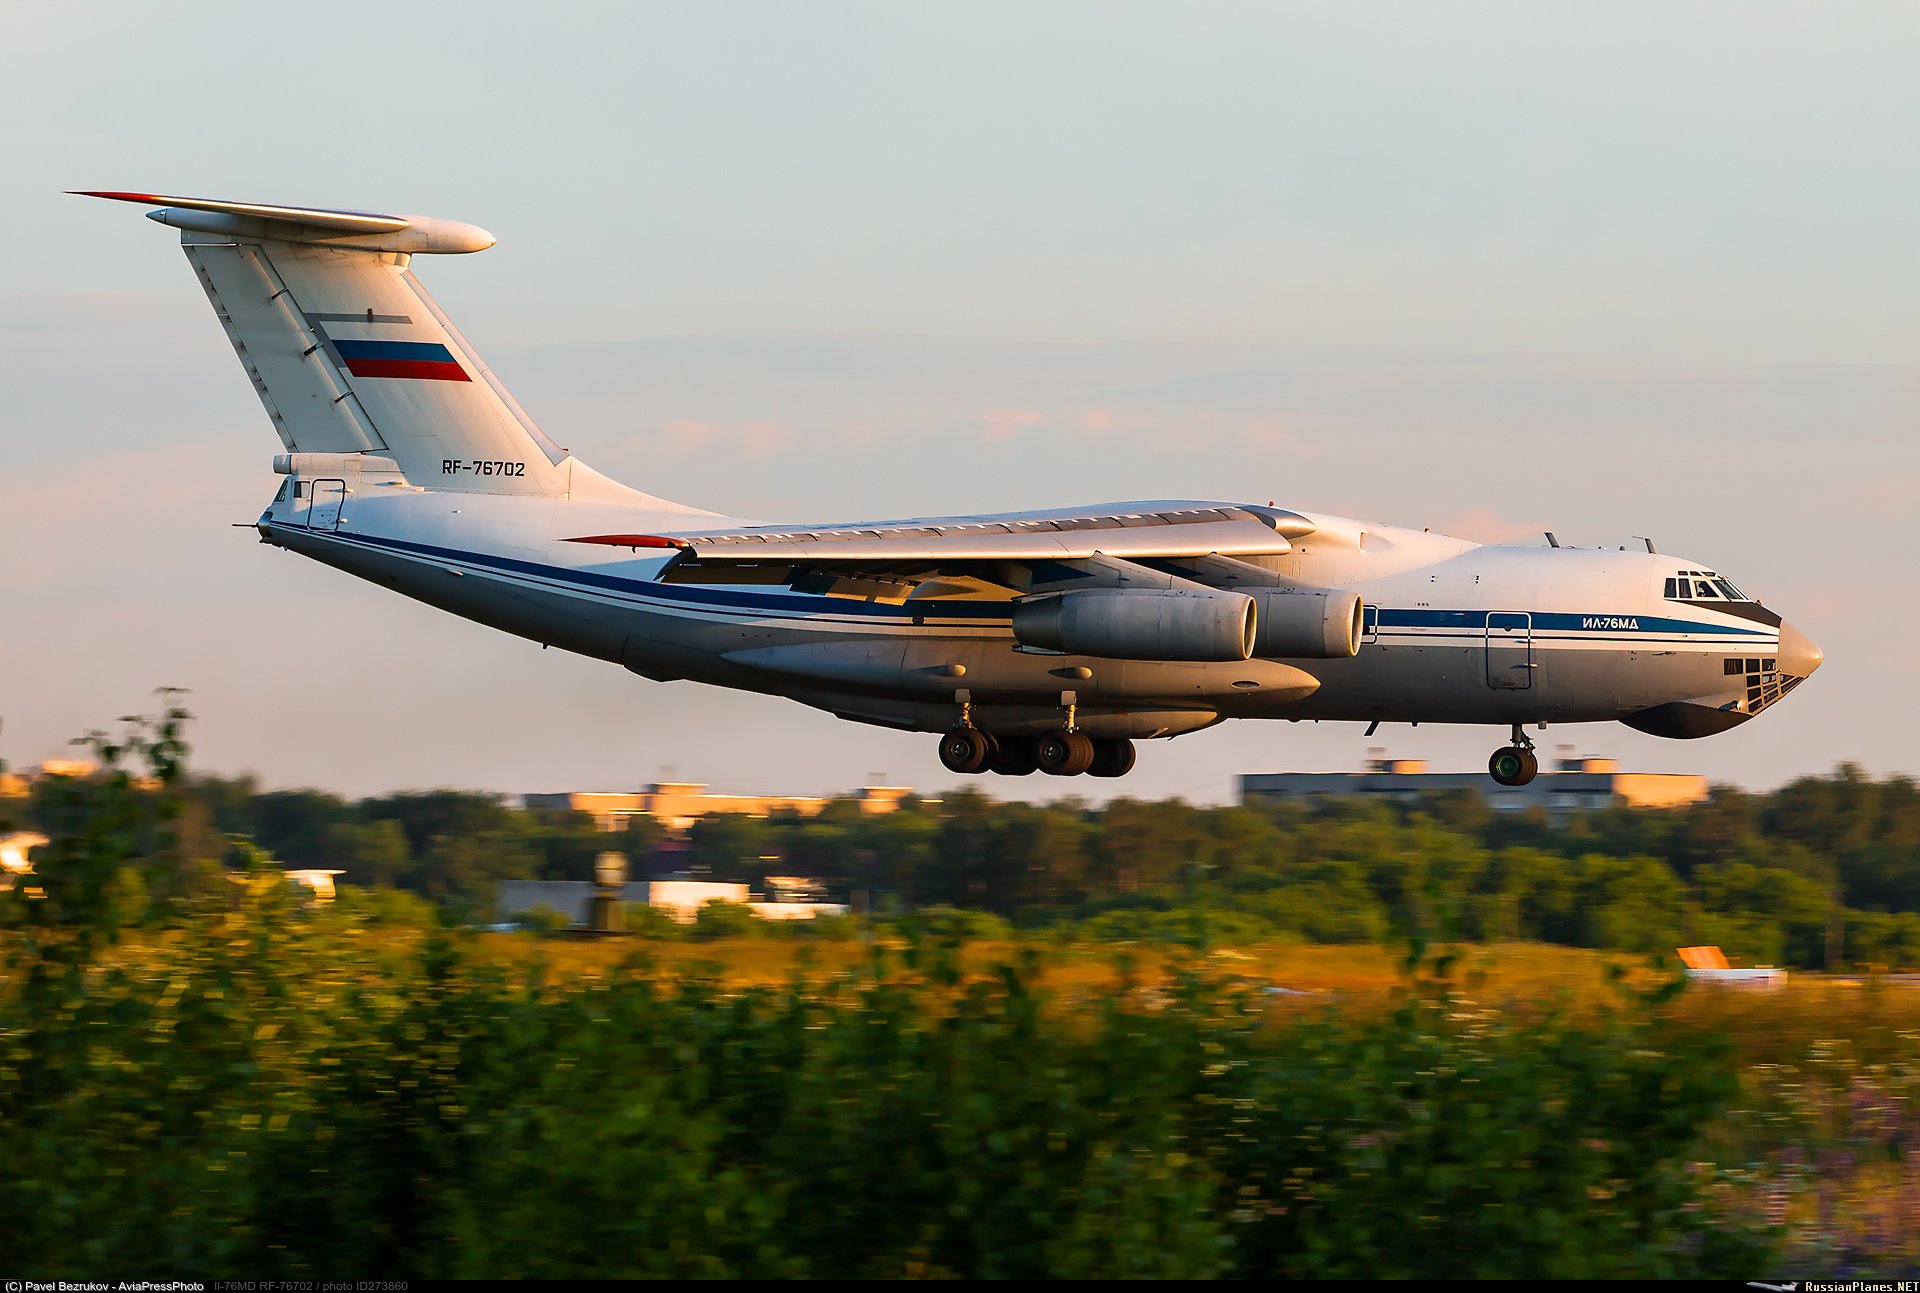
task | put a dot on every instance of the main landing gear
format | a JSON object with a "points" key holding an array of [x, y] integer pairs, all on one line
{"points": [[1514, 765], [1061, 754], [1065, 753]]}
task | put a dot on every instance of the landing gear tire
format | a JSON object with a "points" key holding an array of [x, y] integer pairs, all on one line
{"points": [[966, 749], [1111, 758], [1064, 754], [1513, 765], [1014, 756]]}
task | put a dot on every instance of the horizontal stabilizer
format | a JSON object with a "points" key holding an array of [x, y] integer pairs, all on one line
{"points": [[361, 230]]}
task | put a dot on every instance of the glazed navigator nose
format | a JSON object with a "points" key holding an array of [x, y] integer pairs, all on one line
{"points": [[1799, 657]]}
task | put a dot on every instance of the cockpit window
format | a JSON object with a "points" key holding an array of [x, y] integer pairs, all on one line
{"points": [[1702, 585]]}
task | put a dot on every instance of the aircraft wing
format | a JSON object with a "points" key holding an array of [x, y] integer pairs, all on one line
{"points": [[1123, 530]]}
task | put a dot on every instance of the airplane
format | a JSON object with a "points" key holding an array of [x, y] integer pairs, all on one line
{"points": [[1047, 640]]}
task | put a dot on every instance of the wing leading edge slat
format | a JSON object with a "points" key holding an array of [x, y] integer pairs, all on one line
{"points": [[1137, 531]]}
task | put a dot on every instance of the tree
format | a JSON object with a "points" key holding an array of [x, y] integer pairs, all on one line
{"points": [[734, 847]]}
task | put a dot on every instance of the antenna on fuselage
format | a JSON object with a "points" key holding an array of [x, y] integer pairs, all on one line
{"points": [[1648, 542], [1551, 541]]}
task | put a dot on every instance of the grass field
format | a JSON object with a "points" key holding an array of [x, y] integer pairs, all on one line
{"points": [[1824, 1142], [1821, 1143]]}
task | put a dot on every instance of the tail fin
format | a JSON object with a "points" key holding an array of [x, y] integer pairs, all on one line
{"points": [[348, 352]]}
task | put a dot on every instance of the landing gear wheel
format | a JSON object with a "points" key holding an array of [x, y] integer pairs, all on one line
{"points": [[1513, 765], [1014, 756], [966, 749], [1065, 754], [1111, 758]]}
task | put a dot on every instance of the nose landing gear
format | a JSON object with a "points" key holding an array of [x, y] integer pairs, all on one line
{"points": [[1514, 765]]}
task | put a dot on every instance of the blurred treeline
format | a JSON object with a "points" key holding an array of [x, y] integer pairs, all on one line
{"points": [[199, 1076], [1824, 871]]}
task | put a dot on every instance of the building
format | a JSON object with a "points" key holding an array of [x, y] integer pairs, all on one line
{"points": [[317, 882], [1709, 965], [680, 899], [20, 783], [16, 860], [676, 805], [571, 898], [1574, 785]]}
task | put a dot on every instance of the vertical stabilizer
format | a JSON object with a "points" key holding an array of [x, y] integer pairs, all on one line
{"points": [[349, 354]]}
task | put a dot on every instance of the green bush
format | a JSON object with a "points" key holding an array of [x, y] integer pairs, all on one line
{"points": [[954, 924], [394, 908], [543, 920], [718, 918], [828, 928], [1197, 927], [647, 921]]}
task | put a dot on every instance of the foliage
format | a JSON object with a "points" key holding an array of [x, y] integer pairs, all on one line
{"points": [[278, 1097], [216, 1078], [718, 918], [942, 924], [647, 921], [542, 919], [1825, 870]]}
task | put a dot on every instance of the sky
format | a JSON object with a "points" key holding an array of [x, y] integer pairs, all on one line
{"points": [[1608, 269]]}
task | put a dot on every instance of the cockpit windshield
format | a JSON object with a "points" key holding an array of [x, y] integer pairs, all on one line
{"points": [[1702, 586]]}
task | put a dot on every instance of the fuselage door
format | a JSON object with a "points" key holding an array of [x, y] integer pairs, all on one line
{"points": [[1509, 650], [324, 501]]}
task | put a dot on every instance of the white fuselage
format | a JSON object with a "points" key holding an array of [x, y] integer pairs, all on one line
{"points": [[1456, 632]]}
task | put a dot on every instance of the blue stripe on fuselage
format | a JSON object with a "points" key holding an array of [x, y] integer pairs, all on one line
{"points": [[1559, 622]]}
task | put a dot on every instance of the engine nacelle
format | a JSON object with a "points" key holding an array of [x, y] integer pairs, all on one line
{"points": [[1308, 624], [1140, 623]]}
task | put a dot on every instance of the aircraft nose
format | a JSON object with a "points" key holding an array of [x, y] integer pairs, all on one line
{"points": [[1799, 657]]}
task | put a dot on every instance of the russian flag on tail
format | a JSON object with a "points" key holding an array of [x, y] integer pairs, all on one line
{"points": [[423, 359]]}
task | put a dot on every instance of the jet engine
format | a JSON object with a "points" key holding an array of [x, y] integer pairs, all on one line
{"points": [[1140, 623], [1308, 624]]}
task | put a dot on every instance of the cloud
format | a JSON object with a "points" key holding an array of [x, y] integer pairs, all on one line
{"points": [[1482, 525], [68, 528], [734, 442], [999, 424]]}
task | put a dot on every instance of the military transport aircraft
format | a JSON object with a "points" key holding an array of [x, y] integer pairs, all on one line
{"points": [[1048, 640]]}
